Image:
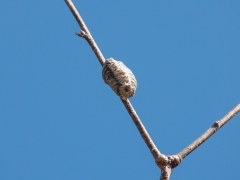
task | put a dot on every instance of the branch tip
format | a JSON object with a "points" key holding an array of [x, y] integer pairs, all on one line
{"points": [[82, 34], [78, 34]]}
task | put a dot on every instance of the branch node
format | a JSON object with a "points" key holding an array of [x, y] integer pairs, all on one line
{"points": [[217, 124], [175, 160], [82, 34], [170, 161], [162, 161]]}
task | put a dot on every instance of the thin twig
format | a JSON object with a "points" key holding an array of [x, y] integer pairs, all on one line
{"points": [[215, 127], [152, 147], [87, 35]]}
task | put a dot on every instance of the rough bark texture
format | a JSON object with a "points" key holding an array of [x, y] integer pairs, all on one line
{"points": [[166, 173]]}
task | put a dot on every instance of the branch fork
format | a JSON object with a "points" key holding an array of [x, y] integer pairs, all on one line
{"points": [[165, 163]]}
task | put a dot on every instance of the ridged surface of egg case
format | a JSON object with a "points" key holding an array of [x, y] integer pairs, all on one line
{"points": [[119, 78]]}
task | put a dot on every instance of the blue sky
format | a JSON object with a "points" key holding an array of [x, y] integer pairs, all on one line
{"points": [[60, 121]]}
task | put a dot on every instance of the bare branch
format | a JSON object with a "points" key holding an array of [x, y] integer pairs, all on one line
{"points": [[215, 127], [152, 147], [87, 35], [165, 163], [166, 173], [85, 32]]}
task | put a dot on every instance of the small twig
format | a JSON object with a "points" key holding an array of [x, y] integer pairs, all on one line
{"points": [[85, 32], [215, 127], [82, 34], [151, 146]]}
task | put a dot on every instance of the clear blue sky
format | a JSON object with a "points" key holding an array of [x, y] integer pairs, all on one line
{"points": [[60, 121]]}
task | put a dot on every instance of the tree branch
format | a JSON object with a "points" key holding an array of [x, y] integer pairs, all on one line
{"points": [[87, 35], [165, 163], [215, 127], [152, 147], [166, 173]]}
